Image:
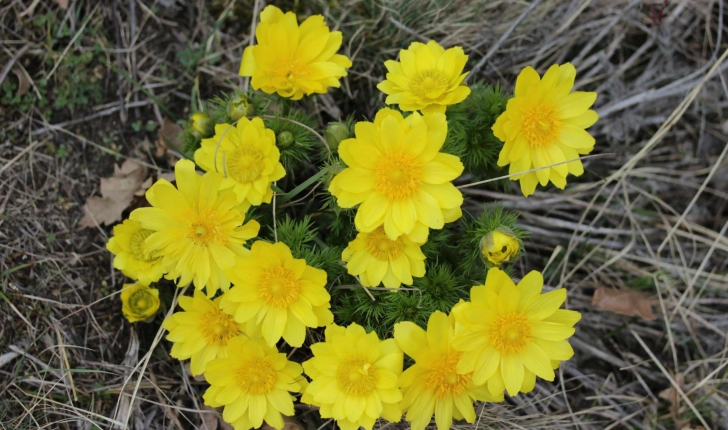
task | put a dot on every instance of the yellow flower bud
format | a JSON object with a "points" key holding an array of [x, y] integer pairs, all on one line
{"points": [[239, 106], [139, 302], [499, 246], [201, 125]]}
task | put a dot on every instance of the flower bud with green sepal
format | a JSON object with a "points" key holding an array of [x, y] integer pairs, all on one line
{"points": [[335, 133], [200, 125], [285, 139], [499, 246], [493, 231], [240, 105]]}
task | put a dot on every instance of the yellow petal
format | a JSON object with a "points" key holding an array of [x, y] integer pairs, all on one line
{"points": [[512, 374], [537, 361], [526, 80], [576, 104], [411, 338]]}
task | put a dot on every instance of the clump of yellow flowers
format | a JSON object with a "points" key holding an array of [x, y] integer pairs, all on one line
{"points": [[260, 304]]}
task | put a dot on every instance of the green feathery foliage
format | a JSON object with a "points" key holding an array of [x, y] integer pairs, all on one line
{"points": [[294, 141], [302, 238], [437, 243], [469, 133], [406, 306], [190, 142], [442, 287], [474, 229], [295, 234]]}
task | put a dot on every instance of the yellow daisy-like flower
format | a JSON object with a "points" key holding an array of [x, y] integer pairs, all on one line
{"points": [[499, 246], [201, 332], [354, 377], [376, 258], [427, 78], [399, 176], [254, 383], [513, 333], [294, 60], [131, 255], [544, 123], [139, 302], [247, 156], [197, 229], [279, 292], [432, 384]]}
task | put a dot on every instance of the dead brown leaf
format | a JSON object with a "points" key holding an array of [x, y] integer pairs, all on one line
{"points": [[63, 4], [169, 135], [289, 424], [671, 395], [117, 193], [23, 81], [624, 302]]}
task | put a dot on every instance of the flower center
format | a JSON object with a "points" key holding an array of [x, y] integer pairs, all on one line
{"points": [[430, 84], [140, 301], [510, 333], [382, 247], [287, 70], [279, 287], [245, 164], [398, 176], [218, 328], [204, 227], [256, 376], [541, 125], [356, 376], [138, 247], [443, 380]]}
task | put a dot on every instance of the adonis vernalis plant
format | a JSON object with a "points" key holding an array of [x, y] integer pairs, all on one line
{"points": [[247, 156], [366, 252], [544, 124], [398, 175], [294, 60]]}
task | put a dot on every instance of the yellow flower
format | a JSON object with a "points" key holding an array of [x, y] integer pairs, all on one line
{"points": [[197, 230], [201, 331], [427, 78], [248, 158], [131, 255], [293, 60], [544, 123], [354, 377], [376, 258], [432, 384], [280, 292], [139, 302], [499, 246], [399, 176], [253, 383], [511, 334]]}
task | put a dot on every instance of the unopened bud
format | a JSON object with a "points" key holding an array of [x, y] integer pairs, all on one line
{"points": [[499, 246], [335, 133], [201, 125], [239, 106], [285, 139]]}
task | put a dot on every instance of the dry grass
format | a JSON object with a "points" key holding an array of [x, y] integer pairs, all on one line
{"points": [[652, 215]]}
